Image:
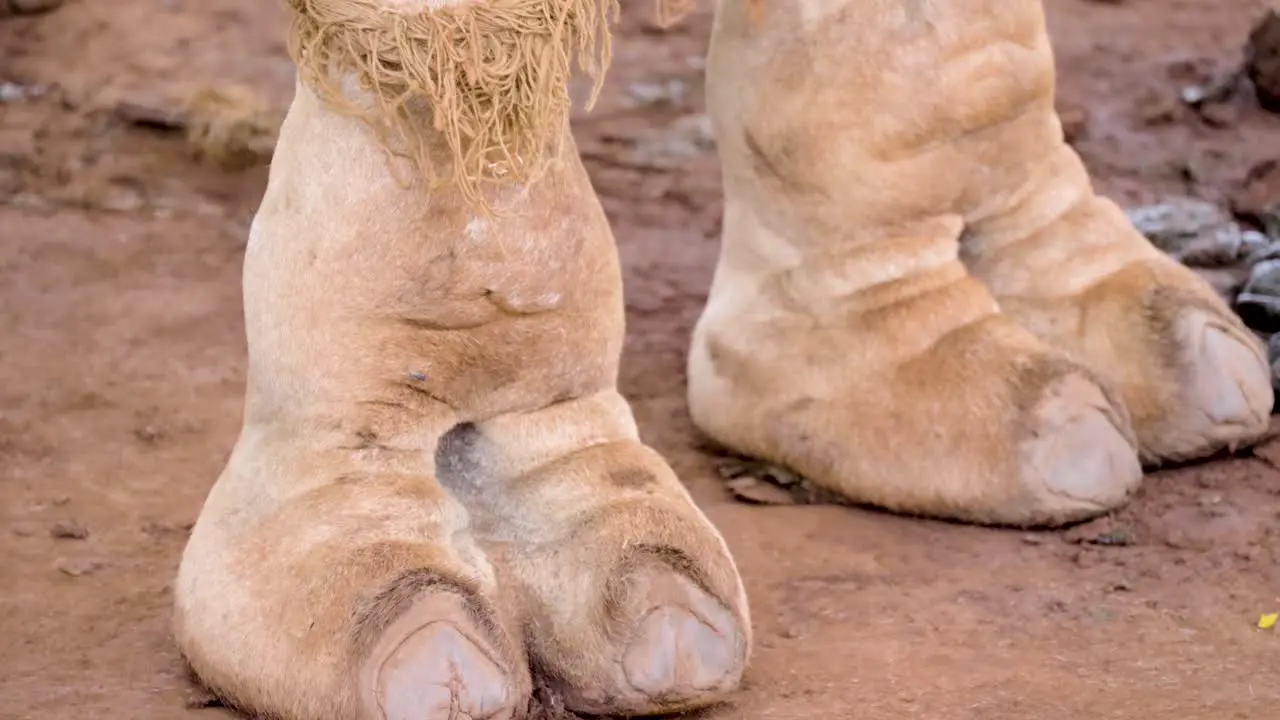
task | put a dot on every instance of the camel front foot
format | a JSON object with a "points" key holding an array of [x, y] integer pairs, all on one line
{"points": [[914, 394], [434, 661], [362, 598], [1194, 379], [634, 604]]}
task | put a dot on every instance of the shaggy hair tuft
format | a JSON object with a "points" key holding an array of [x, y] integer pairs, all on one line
{"points": [[488, 79]]}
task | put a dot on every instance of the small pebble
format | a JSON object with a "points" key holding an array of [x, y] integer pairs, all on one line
{"points": [[13, 92], [121, 199], [672, 92], [69, 530], [147, 434], [77, 567], [1208, 500], [1115, 538], [686, 138]]}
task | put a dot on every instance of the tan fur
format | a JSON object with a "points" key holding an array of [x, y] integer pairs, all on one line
{"points": [[920, 303], [432, 439], [489, 78]]}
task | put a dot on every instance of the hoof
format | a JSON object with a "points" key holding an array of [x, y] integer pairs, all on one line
{"points": [[681, 649], [685, 650], [433, 664], [1081, 462], [679, 653], [1230, 385]]}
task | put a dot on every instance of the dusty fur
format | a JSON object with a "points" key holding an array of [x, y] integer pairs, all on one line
{"points": [[488, 79]]}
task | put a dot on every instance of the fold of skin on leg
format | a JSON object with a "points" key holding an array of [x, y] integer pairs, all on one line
{"points": [[843, 337], [633, 602], [330, 573], [1067, 263]]}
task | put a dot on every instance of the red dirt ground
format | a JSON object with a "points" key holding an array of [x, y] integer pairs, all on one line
{"points": [[122, 357]]}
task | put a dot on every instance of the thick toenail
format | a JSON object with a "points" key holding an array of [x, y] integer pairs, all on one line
{"points": [[438, 672], [1093, 462], [676, 653], [1233, 380], [1082, 454]]}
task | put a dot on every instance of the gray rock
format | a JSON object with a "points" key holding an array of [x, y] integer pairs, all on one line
{"points": [[1259, 300], [1194, 232]]}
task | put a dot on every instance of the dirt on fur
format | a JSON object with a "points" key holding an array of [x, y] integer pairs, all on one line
{"points": [[122, 362]]}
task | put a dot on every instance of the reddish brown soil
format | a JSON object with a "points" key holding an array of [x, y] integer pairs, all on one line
{"points": [[121, 365]]}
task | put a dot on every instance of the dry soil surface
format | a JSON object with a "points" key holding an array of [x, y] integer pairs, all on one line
{"points": [[122, 359]]}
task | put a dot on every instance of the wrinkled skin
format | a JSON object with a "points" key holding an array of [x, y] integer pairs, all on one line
{"points": [[439, 498]]}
